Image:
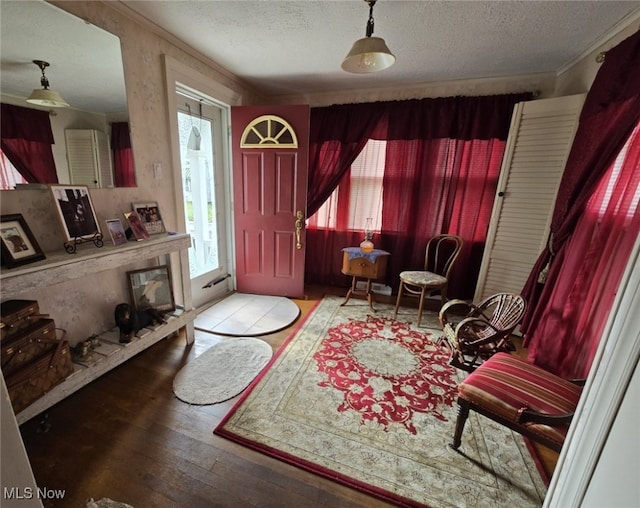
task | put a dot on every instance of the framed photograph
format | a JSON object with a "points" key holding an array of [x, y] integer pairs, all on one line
{"points": [[150, 215], [76, 212], [151, 288], [118, 236], [136, 225], [19, 246]]}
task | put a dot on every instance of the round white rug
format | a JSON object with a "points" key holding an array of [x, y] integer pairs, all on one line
{"points": [[222, 371]]}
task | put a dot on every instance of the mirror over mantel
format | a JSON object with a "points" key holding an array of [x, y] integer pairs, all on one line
{"points": [[85, 69]]}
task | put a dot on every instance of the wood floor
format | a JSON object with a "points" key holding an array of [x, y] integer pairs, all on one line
{"points": [[126, 437]]}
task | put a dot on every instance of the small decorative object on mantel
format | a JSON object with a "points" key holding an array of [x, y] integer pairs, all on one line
{"points": [[118, 235], [19, 246], [136, 226], [367, 244], [77, 216], [150, 215]]}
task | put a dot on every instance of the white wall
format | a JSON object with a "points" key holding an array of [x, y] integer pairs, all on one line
{"points": [[16, 478], [615, 480]]}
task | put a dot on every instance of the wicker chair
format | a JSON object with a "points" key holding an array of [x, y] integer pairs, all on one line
{"points": [[474, 333], [440, 256], [520, 396]]}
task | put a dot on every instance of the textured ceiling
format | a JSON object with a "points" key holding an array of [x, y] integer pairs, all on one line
{"points": [[286, 47], [297, 46]]}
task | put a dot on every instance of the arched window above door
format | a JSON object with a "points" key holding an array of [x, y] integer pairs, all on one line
{"points": [[269, 131]]}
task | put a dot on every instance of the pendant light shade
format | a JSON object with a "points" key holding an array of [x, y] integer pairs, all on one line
{"points": [[369, 54], [44, 96]]}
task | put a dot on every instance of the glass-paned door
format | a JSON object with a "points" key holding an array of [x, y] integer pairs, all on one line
{"points": [[202, 158]]}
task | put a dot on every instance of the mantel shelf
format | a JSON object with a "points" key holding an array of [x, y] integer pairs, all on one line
{"points": [[88, 260]]}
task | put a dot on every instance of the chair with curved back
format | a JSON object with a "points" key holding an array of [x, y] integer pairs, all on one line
{"points": [[440, 256], [474, 333]]}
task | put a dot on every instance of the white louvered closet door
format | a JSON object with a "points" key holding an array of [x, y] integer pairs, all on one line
{"points": [[538, 145]]}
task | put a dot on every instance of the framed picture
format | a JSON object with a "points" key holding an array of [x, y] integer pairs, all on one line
{"points": [[150, 215], [116, 231], [136, 225], [76, 212], [19, 246], [151, 288]]}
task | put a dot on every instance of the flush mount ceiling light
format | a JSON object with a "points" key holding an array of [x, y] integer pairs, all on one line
{"points": [[369, 54], [44, 96]]}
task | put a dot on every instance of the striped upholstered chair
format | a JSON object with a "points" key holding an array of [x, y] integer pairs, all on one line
{"points": [[521, 396]]}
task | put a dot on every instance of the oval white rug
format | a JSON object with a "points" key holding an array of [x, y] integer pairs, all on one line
{"points": [[222, 371]]}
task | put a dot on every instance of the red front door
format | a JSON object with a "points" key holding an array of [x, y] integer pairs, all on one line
{"points": [[270, 164]]}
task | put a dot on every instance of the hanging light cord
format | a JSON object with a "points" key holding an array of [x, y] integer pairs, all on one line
{"points": [[370, 21]]}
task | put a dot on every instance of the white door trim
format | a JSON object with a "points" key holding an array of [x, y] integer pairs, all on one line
{"points": [[179, 75]]}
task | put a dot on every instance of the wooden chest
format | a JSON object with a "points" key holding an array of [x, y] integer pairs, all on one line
{"points": [[362, 267]]}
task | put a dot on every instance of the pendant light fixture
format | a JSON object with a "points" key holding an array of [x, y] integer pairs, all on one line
{"points": [[369, 54], [44, 96]]}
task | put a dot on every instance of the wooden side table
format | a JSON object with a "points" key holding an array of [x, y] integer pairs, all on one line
{"points": [[364, 265]]}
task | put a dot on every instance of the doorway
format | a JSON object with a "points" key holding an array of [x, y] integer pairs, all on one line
{"points": [[203, 142]]}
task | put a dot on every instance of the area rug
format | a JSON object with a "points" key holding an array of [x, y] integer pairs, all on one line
{"points": [[370, 402], [222, 371], [242, 314]]}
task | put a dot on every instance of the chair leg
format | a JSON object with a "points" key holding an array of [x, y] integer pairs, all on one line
{"points": [[395, 312], [421, 305], [463, 414], [443, 295]]}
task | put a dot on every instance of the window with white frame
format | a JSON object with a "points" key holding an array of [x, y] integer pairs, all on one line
{"points": [[350, 205]]}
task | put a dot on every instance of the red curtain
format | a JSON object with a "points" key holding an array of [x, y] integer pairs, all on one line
{"points": [[123, 168], [26, 141], [439, 186], [610, 113], [337, 135], [442, 163], [590, 267]]}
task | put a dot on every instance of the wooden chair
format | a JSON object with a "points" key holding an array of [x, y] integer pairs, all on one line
{"points": [[440, 256], [521, 396], [474, 333]]}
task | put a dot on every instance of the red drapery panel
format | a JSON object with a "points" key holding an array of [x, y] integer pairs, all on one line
{"points": [[609, 115], [577, 306], [337, 135], [439, 186], [123, 168], [26, 141], [442, 164]]}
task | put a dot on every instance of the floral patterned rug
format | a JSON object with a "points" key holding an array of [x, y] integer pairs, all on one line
{"points": [[370, 401]]}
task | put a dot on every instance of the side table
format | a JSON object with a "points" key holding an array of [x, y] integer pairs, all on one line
{"points": [[364, 265]]}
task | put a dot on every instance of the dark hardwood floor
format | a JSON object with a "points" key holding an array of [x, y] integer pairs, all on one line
{"points": [[126, 437]]}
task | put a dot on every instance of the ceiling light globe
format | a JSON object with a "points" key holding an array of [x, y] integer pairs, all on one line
{"points": [[369, 54]]}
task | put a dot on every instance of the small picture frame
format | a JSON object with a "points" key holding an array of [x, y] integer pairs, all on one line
{"points": [[19, 246], [136, 225], [75, 211], [151, 288], [149, 213], [116, 231]]}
